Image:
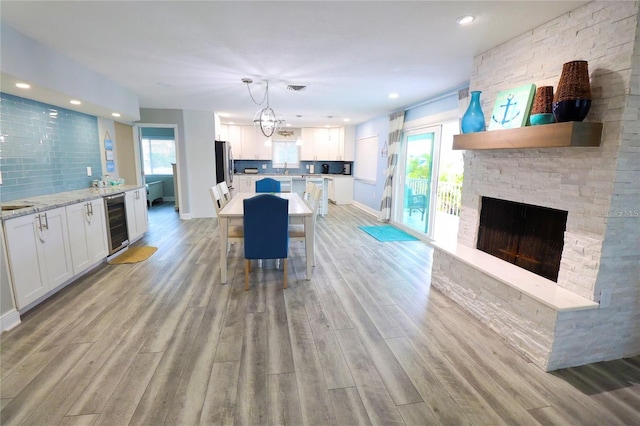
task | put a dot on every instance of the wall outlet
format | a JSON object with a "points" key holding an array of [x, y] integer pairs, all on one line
{"points": [[264, 167], [89, 171], [605, 298], [307, 167]]}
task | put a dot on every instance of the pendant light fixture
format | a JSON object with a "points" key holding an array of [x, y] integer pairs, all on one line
{"points": [[265, 118]]}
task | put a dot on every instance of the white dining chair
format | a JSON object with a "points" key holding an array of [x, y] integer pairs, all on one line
{"points": [[224, 190], [297, 232], [235, 232]]}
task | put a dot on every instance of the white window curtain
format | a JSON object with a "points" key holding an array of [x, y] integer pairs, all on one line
{"points": [[396, 121]]}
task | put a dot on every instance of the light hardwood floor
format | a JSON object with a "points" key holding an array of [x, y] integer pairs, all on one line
{"points": [[366, 341]]}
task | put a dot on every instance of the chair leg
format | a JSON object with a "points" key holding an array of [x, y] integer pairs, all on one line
{"points": [[247, 268], [284, 264]]}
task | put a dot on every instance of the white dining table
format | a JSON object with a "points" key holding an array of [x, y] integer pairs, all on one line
{"points": [[235, 209]]}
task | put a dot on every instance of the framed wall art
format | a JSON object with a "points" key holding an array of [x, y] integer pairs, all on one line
{"points": [[512, 108]]}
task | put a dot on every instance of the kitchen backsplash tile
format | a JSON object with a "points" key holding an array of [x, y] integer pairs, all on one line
{"points": [[45, 149]]}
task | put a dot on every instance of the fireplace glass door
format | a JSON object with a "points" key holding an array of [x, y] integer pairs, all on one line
{"points": [[531, 237]]}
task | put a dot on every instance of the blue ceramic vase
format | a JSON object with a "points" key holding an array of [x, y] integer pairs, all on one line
{"points": [[473, 118]]}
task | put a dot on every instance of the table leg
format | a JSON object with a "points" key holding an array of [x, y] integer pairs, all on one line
{"points": [[309, 236], [223, 224]]}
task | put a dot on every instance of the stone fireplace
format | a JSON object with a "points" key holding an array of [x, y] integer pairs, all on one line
{"points": [[590, 311]]}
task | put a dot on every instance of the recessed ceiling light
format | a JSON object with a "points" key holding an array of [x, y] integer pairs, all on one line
{"points": [[467, 19], [74, 102], [346, 120], [393, 95], [23, 86], [288, 125], [115, 114], [327, 126], [231, 122]]}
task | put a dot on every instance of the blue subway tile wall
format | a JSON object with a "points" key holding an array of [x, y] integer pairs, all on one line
{"points": [[45, 149]]}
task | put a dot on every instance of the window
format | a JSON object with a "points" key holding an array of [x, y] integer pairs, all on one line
{"points": [[285, 153], [157, 155]]}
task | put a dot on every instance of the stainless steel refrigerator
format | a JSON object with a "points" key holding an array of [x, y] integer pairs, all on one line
{"points": [[224, 163]]}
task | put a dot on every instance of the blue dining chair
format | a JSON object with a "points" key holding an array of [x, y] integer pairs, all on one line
{"points": [[267, 185], [266, 236]]}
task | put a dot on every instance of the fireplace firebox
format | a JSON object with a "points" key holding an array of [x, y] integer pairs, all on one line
{"points": [[531, 237]]}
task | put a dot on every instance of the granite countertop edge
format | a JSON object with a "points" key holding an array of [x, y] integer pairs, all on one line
{"points": [[43, 203]]}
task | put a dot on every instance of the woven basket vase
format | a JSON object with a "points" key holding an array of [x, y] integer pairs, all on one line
{"points": [[574, 82], [572, 99], [543, 100]]}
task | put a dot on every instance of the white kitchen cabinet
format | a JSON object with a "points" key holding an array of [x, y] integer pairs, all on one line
{"points": [[307, 150], [136, 207], [341, 189], [222, 133], [348, 143], [322, 144], [39, 254], [253, 144], [87, 234], [246, 184], [234, 137]]}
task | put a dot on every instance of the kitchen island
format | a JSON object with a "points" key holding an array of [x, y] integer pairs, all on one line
{"points": [[289, 183]]}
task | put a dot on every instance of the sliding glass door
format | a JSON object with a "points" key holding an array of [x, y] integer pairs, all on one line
{"points": [[417, 181]]}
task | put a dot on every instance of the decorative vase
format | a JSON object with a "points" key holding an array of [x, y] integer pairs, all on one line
{"points": [[541, 111], [573, 95], [473, 118]]}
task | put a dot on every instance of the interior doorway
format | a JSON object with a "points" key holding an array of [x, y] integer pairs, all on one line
{"points": [[158, 158]]}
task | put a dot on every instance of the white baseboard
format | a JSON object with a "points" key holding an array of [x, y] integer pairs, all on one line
{"points": [[367, 209], [9, 320], [186, 216]]}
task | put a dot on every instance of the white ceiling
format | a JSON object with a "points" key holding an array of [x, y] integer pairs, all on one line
{"points": [[349, 54]]}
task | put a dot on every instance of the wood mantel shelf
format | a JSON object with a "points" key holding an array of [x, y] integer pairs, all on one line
{"points": [[572, 133]]}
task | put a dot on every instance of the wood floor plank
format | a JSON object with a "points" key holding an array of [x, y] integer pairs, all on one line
{"points": [[348, 407], [314, 396], [230, 345], [375, 397], [435, 395], [282, 400], [186, 406], [156, 400], [251, 403], [219, 406], [84, 420], [121, 406], [32, 396], [104, 383], [279, 353], [395, 378], [417, 414], [466, 396], [64, 394], [334, 365]]}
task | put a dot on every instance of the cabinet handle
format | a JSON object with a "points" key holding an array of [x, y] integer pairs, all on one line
{"points": [[42, 234], [89, 212]]}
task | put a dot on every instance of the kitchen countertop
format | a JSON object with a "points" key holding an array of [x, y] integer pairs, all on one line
{"points": [[51, 201]]}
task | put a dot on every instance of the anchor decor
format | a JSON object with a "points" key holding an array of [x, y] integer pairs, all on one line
{"points": [[512, 108]]}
